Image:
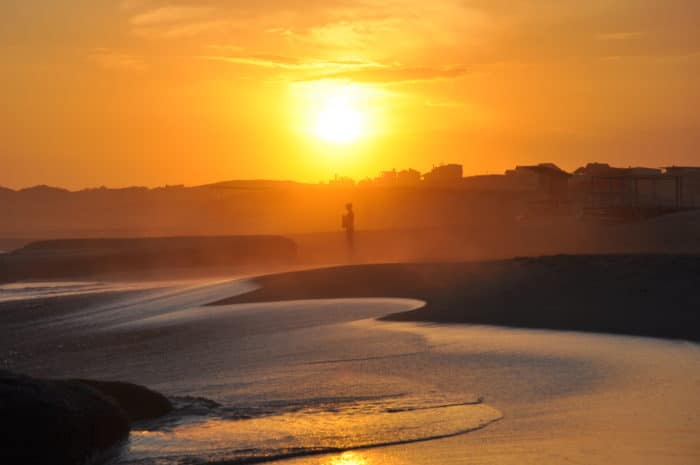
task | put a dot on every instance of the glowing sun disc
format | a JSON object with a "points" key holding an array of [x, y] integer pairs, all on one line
{"points": [[339, 124]]}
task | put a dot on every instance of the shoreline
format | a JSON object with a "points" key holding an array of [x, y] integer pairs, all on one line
{"points": [[220, 354], [640, 295]]}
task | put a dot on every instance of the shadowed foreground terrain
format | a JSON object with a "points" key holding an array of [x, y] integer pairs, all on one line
{"points": [[646, 295], [67, 422]]}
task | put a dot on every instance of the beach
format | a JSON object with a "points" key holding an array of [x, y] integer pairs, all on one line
{"points": [[350, 232], [317, 378], [644, 295]]}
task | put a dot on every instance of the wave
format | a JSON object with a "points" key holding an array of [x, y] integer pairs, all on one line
{"points": [[365, 359], [205, 431], [49, 289], [203, 407], [252, 456]]}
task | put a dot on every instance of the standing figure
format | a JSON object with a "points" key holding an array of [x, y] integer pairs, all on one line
{"points": [[348, 225]]}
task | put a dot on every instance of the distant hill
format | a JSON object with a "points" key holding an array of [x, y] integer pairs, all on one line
{"points": [[251, 184], [42, 189]]}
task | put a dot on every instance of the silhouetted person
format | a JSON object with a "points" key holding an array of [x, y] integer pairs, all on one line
{"points": [[349, 225]]}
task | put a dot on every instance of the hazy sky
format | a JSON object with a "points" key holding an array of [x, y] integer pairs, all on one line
{"points": [[149, 92]]}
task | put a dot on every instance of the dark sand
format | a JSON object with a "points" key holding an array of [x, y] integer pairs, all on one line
{"points": [[645, 295]]}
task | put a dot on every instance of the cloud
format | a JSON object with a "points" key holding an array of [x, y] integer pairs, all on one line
{"points": [[351, 69], [292, 63], [192, 29], [355, 70], [115, 60], [262, 60], [176, 21], [618, 35], [131, 4], [170, 14], [396, 75]]}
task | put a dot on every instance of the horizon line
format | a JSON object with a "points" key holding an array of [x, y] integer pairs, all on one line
{"points": [[306, 183]]}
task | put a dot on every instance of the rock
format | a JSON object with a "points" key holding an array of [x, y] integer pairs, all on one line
{"points": [[56, 422], [139, 403]]}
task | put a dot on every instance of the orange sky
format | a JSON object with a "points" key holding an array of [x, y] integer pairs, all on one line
{"points": [[149, 92]]}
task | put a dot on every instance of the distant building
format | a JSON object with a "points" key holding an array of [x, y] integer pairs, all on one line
{"points": [[386, 178], [547, 179], [367, 182], [688, 179], [409, 177], [603, 169], [444, 175], [341, 181], [601, 186], [682, 170], [488, 182], [393, 178]]}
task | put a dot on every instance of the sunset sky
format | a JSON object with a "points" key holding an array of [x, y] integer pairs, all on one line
{"points": [[149, 92]]}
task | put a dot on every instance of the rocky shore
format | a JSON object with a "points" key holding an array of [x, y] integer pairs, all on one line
{"points": [[69, 422]]}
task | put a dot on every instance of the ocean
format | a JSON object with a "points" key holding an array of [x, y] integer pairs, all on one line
{"points": [[323, 382]]}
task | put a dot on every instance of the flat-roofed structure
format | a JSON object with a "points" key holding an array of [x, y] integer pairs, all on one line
{"points": [[636, 191], [444, 175], [550, 181]]}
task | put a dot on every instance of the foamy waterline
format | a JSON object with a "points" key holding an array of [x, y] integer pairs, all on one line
{"points": [[318, 426], [47, 289]]}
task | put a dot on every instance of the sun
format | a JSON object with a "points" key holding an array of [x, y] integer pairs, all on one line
{"points": [[337, 111], [340, 113], [339, 124]]}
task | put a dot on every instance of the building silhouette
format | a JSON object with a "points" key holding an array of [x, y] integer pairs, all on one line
{"points": [[444, 175]]}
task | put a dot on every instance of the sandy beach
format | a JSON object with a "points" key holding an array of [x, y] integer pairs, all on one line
{"points": [[645, 295]]}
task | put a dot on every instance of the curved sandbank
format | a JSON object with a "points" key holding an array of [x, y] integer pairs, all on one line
{"points": [[644, 295]]}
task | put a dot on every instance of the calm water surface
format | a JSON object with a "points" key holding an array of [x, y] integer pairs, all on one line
{"points": [[321, 382]]}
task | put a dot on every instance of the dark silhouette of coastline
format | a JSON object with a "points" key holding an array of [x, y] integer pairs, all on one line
{"points": [[644, 295], [91, 257]]}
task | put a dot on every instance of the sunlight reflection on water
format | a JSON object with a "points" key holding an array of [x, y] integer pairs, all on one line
{"points": [[358, 425], [348, 458]]}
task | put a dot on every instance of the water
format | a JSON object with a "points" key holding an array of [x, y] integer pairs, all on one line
{"points": [[322, 382], [330, 425], [270, 393], [47, 289]]}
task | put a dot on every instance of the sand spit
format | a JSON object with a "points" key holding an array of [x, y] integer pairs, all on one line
{"points": [[645, 295]]}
